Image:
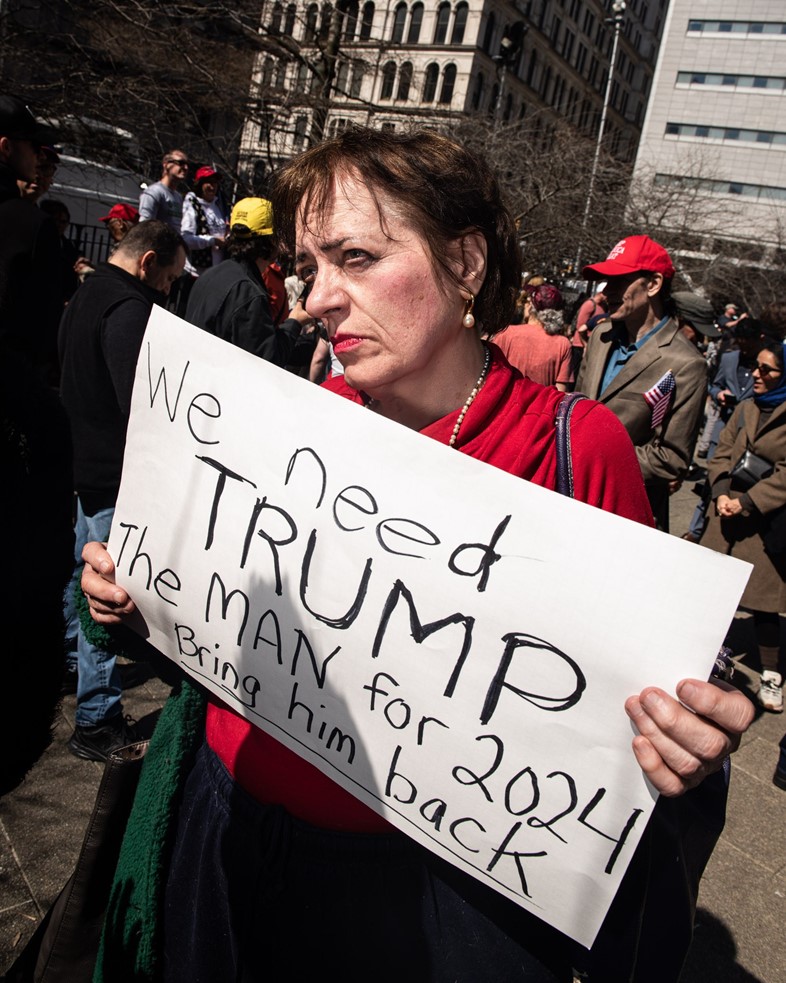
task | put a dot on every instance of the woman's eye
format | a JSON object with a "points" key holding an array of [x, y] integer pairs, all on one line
{"points": [[307, 274], [356, 254]]}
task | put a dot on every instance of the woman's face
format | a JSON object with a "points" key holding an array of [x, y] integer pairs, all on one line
{"points": [[767, 375], [209, 190], [395, 323]]}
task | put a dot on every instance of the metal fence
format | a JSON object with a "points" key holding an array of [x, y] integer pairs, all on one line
{"points": [[92, 241]]}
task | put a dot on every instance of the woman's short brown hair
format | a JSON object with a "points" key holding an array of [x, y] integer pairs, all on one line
{"points": [[442, 188]]}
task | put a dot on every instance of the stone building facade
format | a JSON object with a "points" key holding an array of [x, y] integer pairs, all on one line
{"points": [[391, 63]]}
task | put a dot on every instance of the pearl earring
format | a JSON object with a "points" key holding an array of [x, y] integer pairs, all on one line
{"points": [[469, 318]]}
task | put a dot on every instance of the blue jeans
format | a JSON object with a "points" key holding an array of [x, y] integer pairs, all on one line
{"points": [[99, 687]]}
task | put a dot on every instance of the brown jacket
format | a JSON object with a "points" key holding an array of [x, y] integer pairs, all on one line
{"points": [[740, 536], [664, 452]]}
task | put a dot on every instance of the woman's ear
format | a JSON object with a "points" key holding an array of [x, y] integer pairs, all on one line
{"points": [[467, 256], [473, 260]]}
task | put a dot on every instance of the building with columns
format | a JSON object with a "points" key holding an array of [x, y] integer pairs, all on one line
{"points": [[391, 63]]}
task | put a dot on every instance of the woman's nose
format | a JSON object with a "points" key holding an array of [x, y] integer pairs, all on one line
{"points": [[325, 294]]}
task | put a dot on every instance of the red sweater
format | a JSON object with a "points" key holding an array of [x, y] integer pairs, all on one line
{"points": [[510, 425]]}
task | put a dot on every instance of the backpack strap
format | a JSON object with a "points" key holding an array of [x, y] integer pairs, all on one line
{"points": [[564, 456]]}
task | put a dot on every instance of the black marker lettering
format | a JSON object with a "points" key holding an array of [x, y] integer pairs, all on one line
{"points": [[513, 642]]}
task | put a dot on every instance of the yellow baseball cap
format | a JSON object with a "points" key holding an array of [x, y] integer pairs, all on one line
{"points": [[252, 217]]}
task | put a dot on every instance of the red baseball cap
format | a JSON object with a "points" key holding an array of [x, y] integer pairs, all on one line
{"points": [[204, 174], [631, 255], [121, 210]]}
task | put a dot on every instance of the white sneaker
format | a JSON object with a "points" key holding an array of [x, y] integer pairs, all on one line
{"points": [[771, 693]]}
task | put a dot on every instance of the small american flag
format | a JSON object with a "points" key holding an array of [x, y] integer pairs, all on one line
{"points": [[660, 397]]}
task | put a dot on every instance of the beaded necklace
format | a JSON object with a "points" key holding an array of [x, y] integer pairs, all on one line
{"points": [[471, 398]]}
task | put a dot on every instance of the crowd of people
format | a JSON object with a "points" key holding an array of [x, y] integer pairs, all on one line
{"points": [[384, 266]]}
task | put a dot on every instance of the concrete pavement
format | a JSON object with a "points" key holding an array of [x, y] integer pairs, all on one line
{"points": [[739, 936]]}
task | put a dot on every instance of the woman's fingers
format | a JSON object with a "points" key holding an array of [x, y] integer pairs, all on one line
{"points": [[678, 748]]}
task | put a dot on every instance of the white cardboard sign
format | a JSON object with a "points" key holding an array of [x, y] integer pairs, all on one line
{"points": [[449, 643]]}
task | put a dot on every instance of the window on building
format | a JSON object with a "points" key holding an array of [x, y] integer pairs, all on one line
{"points": [[399, 20], [488, 34], [336, 125], [349, 11], [312, 18], [772, 83], [327, 16], [493, 100], [281, 75], [388, 80], [441, 29], [545, 81], [567, 44], [727, 134], [302, 78], [508, 107], [477, 91], [265, 126], [367, 22], [762, 192], [342, 78], [404, 81], [266, 78], [430, 82], [737, 28], [276, 18], [301, 128], [358, 71], [448, 84], [415, 23], [459, 23], [531, 67], [581, 59], [289, 20]]}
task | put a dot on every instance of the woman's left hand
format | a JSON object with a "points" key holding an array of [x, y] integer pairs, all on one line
{"points": [[677, 748]]}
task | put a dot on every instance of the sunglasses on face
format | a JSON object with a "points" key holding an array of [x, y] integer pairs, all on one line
{"points": [[765, 370], [178, 162]]}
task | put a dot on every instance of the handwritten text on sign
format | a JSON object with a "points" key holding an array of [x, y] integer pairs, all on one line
{"points": [[449, 643]]}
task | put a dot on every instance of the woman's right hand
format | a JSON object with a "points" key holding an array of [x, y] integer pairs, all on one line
{"points": [[109, 604], [728, 507]]}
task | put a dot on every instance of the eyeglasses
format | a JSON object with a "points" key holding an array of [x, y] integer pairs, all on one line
{"points": [[178, 161], [765, 370]]}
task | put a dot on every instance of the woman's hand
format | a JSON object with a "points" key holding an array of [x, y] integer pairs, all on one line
{"points": [[677, 748], [109, 604], [727, 507]]}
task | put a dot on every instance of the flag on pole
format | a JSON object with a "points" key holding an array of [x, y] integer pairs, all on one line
{"points": [[659, 398]]}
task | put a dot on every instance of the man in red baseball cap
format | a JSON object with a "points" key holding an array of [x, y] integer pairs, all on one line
{"points": [[643, 368], [120, 219]]}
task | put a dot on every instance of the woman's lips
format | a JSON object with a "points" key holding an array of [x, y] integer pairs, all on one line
{"points": [[343, 342]]}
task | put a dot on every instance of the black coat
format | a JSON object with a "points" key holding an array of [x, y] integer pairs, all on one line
{"points": [[30, 277], [100, 339]]}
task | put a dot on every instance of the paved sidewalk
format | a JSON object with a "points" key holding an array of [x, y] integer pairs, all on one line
{"points": [[740, 936]]}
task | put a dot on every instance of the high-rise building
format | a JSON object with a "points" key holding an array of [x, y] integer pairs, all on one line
{"points": [[395, 62], [715, 128]]}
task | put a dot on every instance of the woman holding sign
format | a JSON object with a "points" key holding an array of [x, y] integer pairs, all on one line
{"points": [[277, 873]]}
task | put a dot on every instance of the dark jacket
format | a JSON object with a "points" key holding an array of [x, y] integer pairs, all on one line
{"points": [[100, 339], [727, 377], [30, 277], [230, 301]]}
